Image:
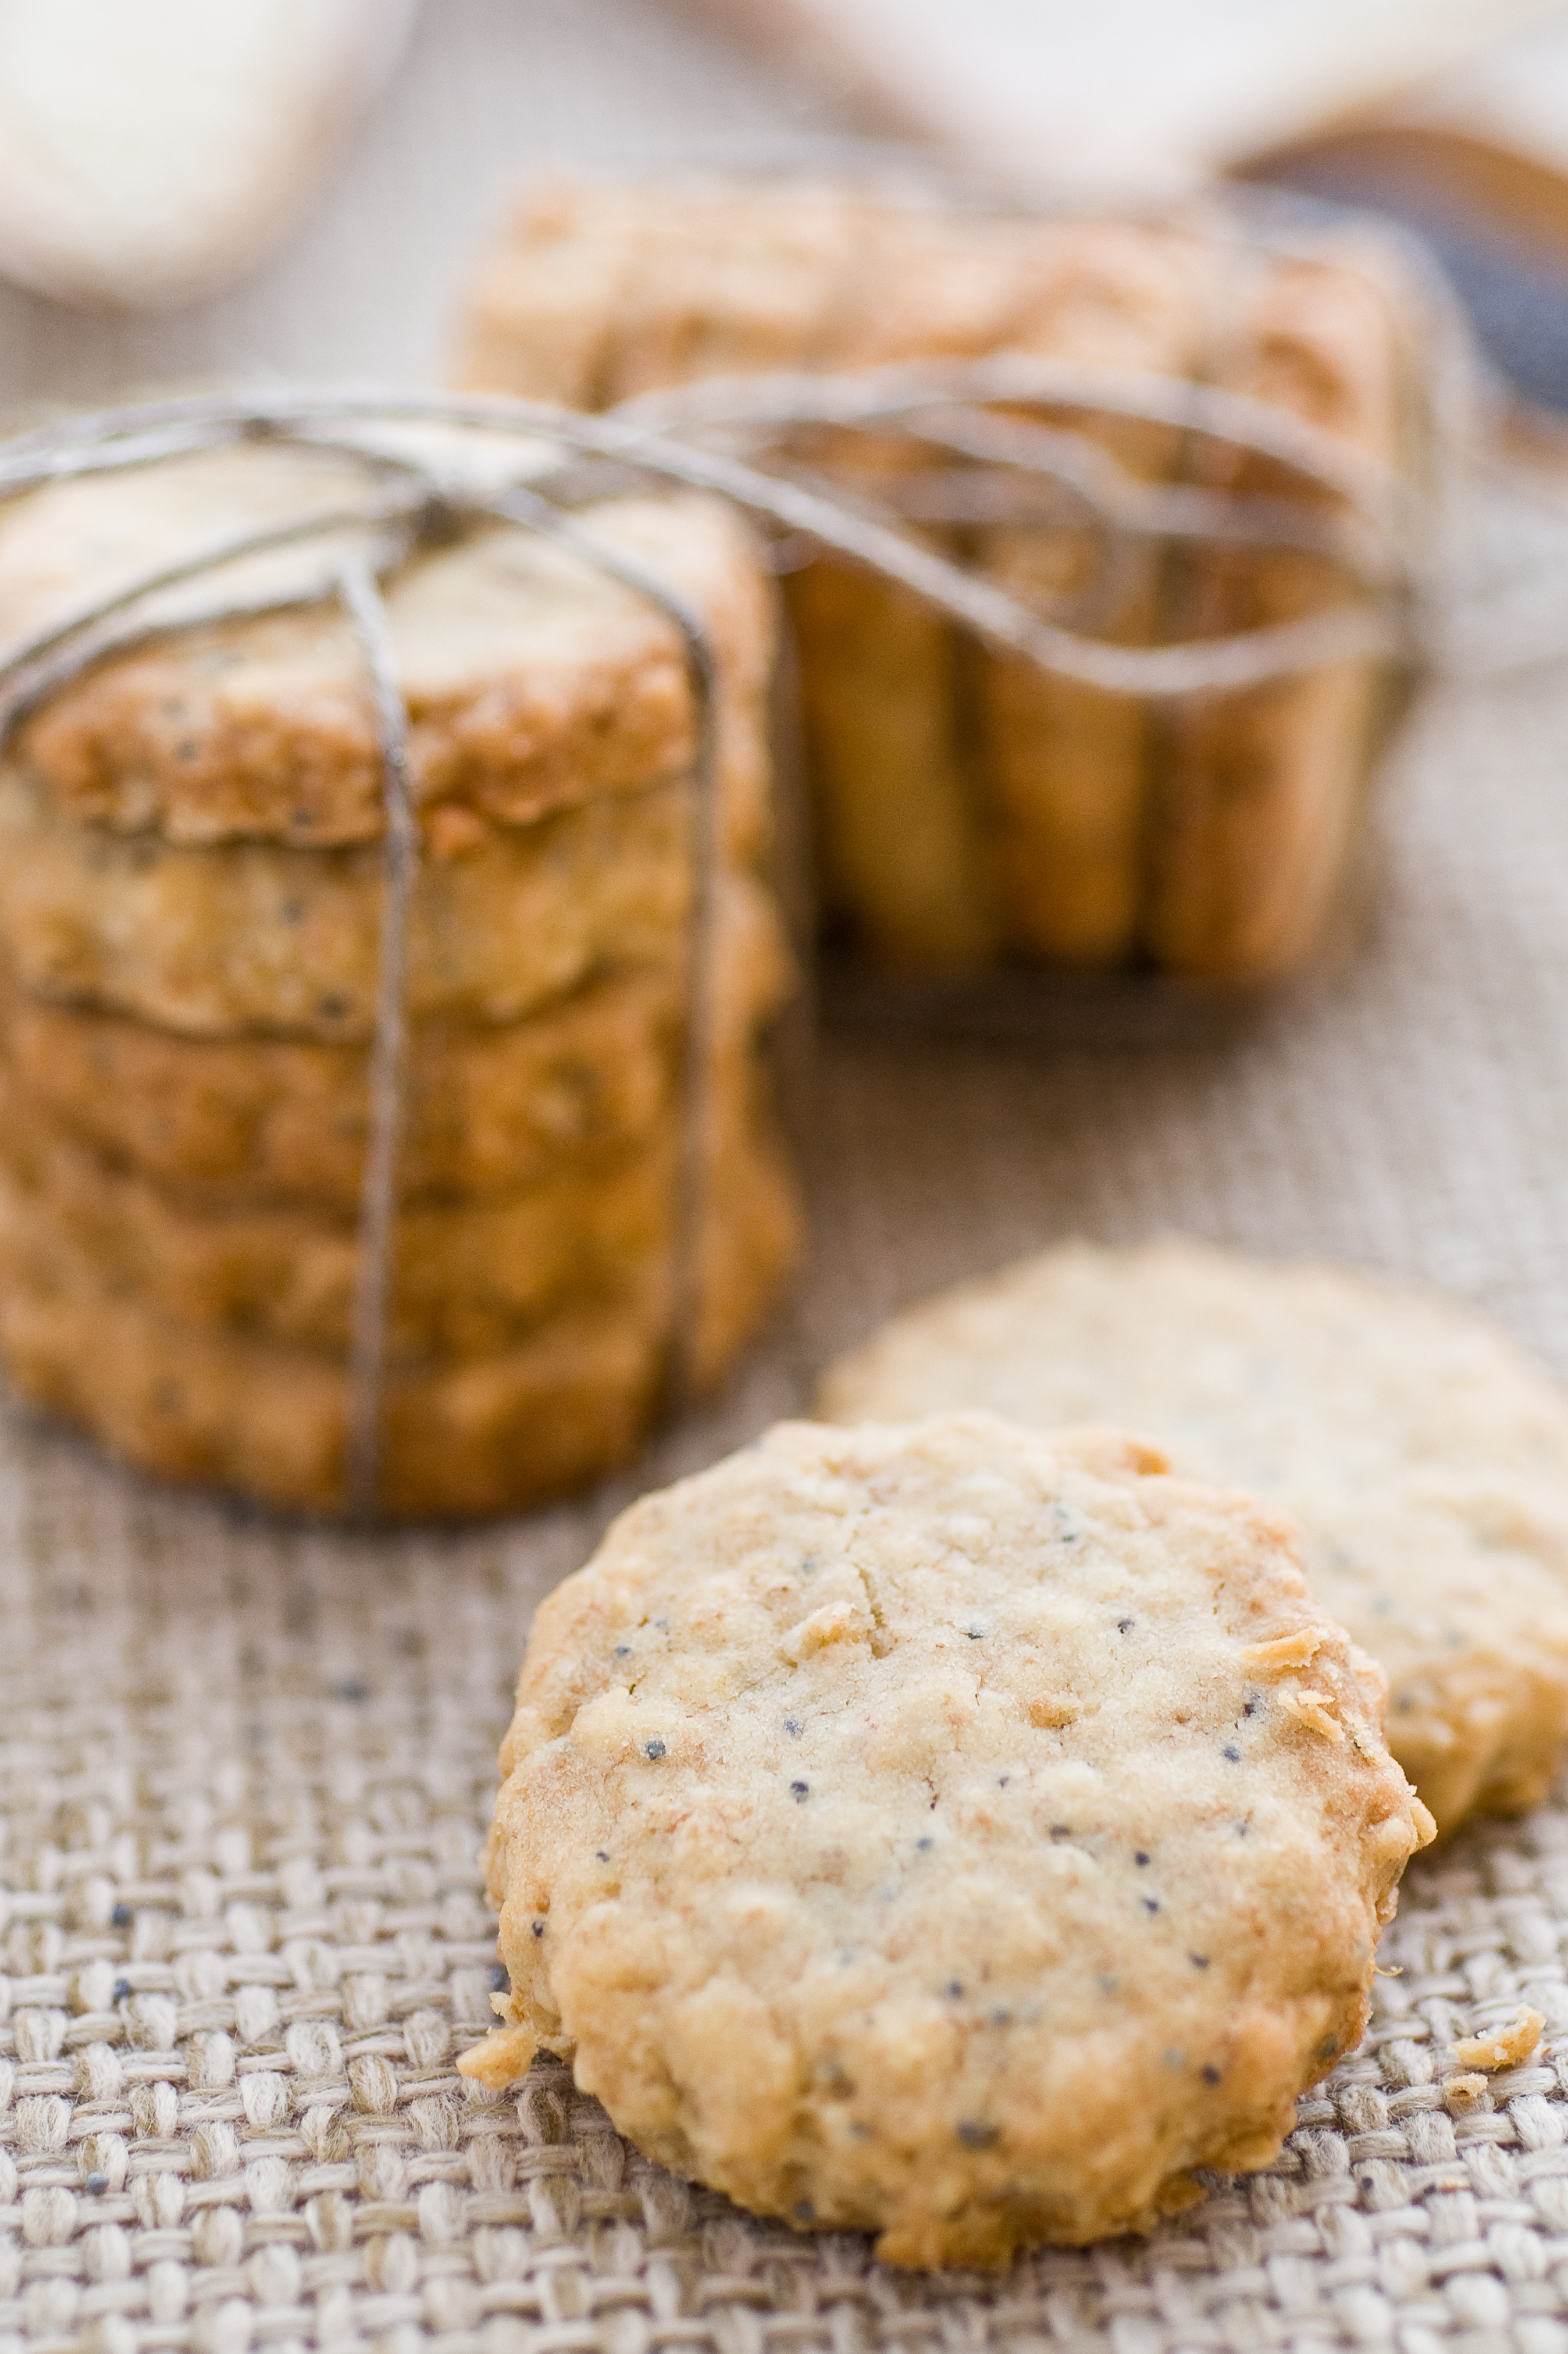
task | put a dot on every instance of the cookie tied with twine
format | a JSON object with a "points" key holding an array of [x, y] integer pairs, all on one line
{"points": [[531, 845], [1234, 421]]}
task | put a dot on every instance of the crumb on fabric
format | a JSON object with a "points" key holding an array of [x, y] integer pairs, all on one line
{"points": [[504, 2055], [1502, 2047], [1463, 2094]]}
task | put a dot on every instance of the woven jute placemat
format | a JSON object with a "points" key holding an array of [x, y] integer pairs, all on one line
{"points": [[246, 1769]]}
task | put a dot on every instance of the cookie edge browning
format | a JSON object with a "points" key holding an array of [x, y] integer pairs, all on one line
{"points": [[920, 2241], [1263, 793], [466, 1279], [1212, 808], [461, 1440], [259, 753], [212, 1118]]}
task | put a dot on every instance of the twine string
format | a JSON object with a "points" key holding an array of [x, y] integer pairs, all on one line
{"points": [[689, 1219], [1380, 629], [1366, 630], [972, 497], [415, 502], [361, 599], [1091, 478], [1147, 510], [28, 659], [881, 396]]}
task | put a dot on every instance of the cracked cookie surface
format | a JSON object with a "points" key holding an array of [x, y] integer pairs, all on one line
{"points": [[946, 1832], [1423, 1455]]}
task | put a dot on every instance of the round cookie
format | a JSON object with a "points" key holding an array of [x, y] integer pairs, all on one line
{"points": [[466, 1279], [494, 1435], [946, 1832], [533, 680], [487, 1109], [256, 1120], [258, 935], [1426, 1457], [570, 1398]]}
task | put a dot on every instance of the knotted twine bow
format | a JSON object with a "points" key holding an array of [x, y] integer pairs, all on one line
{"points": [[728, 438]]}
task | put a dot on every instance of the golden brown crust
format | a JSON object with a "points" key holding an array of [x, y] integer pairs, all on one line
{"points": [[261, 937], [495, 1435], [570, 1400], [280, 1119], [486, 1110], [534, 681], [192, 848], [731, 281], [541, 305], [945, 1832], [596, 293], [1065, 767], [1222, 845], [721, 279], [466, 1279], [967, 802], [1261, 793], [898, 829]]}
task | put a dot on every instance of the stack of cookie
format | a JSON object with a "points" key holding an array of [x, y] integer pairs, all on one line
{"points": [[191, 904], [971, 807]]}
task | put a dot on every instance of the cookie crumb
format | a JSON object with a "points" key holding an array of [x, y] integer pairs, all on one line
{"points": [[506, 2053], [1464, 2093], [1502, 2047], [1284, 1651], [1313, 1709]]}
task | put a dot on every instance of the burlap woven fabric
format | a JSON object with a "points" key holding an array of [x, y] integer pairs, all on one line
{"points": [[274, 1752], [246, 1769]]}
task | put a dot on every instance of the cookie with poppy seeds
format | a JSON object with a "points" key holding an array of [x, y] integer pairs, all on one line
{"points": [[466, 1279], [1426, 1457], [565, 1399], [488, 1107], [257, 936], [946, 1831], [968, 806], [194, 950], [535, 682]]}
